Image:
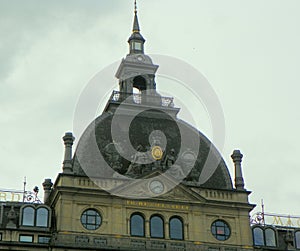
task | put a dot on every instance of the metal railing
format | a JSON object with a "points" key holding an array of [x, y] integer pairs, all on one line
{"points": [[137, 98]]}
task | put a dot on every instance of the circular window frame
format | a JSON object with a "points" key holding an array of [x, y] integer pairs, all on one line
{"points": [[86, 223], [223, 227]]}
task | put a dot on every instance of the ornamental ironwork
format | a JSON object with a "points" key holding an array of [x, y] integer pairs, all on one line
{"points": [[257, 219], [279, 220], [9, 195], [138, 98]]}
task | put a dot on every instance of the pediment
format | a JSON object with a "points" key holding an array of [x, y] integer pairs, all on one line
{"points": [[159, 186], [182, 193]]}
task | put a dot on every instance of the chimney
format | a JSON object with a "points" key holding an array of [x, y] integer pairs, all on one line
{"points": [[237, 160], [68, 141], [47, 189]]}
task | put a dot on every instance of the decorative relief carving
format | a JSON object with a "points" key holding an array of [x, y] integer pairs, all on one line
{"points": [[138, 244], [154, 153], [12, 216], [100, 241], [82, 240]]}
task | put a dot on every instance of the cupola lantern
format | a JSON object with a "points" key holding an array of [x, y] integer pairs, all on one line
{"points": [[136, 40]]}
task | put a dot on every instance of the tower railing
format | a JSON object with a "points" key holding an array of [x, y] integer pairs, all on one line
{"points": [[141, 98]]}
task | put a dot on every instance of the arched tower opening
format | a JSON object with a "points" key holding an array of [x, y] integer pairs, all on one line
{"points": [[139, 83]]}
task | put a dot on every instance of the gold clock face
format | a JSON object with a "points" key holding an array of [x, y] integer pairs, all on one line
{"points": [[157, 153]]}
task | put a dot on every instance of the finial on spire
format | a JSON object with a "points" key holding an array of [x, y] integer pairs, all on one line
{"points": [[136, 27], [136, 40], [135, 7]]}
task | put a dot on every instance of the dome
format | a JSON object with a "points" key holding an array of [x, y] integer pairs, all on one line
{"points": [[155, 141], [139, 135]]}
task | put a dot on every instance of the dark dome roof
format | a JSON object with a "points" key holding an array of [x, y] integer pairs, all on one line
{"points": [[97, 145]]}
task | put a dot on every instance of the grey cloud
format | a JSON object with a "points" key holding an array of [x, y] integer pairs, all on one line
{"points": [[23, 22]]}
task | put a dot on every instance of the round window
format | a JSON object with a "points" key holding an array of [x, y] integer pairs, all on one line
{"points": [[91, 219], [220, 230]]}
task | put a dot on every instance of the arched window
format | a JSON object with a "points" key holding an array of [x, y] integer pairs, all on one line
{"points": [[137, 225], [176, 228], [270, 237], [42, 217], [258, 236], [28, 214], [156, 227], [297, 239]]}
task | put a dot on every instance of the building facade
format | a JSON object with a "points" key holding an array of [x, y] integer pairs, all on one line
{"points": [[134, 182]]}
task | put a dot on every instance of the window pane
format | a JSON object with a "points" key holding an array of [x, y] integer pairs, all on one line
{"points": [[227, 231], [270, 237], [220, 230], [221, 237], [137, 227], [42, 217], [91, 219], [156, 227], [44, 239], [137, 46], [176, 229], [297, 237], [28, 216], [258, 236], [26, 238]]}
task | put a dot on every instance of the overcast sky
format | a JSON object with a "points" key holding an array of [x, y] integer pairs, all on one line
{"points": [[248, 50]]}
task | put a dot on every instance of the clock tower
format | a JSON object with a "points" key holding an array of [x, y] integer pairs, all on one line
{"points": [[136, 73], [133, 182]]}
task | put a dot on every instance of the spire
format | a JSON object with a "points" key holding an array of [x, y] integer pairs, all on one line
{"points": [[136, 26], [136, 40]]}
